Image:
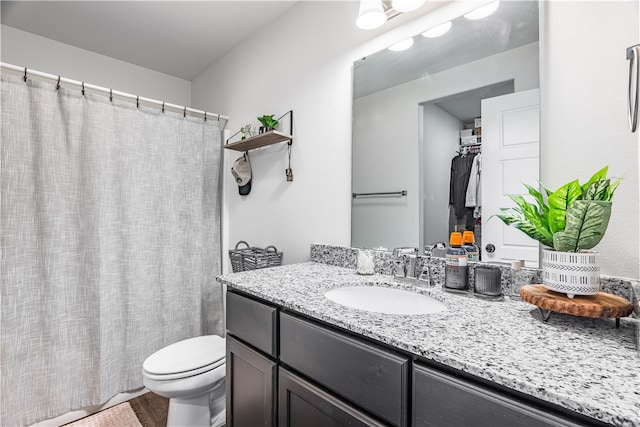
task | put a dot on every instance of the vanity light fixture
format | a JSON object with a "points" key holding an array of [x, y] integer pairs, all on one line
{"points": [[403, 45], [438, 30], [371, 14], [406, 5], [483, 11]]}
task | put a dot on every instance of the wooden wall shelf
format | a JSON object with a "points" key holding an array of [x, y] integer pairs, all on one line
{"points": [[260, 140]]}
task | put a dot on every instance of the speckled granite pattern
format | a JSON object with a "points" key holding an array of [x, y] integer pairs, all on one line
{"points": [[585, 365], [636, 309], [512, 280]]}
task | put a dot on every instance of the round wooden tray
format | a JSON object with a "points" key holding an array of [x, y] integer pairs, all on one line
{"points": [[600, 305]]}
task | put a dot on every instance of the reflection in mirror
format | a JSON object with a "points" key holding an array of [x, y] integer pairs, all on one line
{"points": [[413, 109]]}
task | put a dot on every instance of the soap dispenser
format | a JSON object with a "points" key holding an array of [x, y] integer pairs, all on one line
{"points": [[456, 270]]}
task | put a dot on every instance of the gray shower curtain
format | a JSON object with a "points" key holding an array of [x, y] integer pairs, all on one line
{"points": [[109, 222]]}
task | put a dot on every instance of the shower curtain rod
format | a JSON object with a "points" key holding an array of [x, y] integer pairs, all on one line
{"points": [[111, 93]]}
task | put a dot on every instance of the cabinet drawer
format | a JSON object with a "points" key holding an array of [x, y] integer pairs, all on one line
{"points": [[303, 404], [442, 400], [252, 322], [371, 377]]}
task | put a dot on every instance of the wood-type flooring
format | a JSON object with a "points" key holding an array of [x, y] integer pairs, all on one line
{"points": [[151, 409]]}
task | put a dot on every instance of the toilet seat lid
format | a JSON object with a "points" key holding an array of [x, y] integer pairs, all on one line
{"points": [[186, 355]]}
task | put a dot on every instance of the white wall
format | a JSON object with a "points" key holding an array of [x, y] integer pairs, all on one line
{"points": [[301, 62], [583, 115], [49, 56], [385, 159], [387, 144], [584, 77], [441, 141], [306, 56]]}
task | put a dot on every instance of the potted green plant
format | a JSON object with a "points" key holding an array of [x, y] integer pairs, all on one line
{"points": [[568, 222], [268, 123]]}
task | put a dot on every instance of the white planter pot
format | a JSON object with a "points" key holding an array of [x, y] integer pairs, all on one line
{"points": [[571, 273]]}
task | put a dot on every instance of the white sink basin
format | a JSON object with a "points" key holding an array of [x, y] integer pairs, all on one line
{"points": [[380, 299]]}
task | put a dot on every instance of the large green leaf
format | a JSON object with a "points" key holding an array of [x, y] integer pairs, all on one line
{"points": [[586, 222], [572, 218], [537, 195], [612, 188], [516, 218], [598, 190], [598, 176], [559, 201]]}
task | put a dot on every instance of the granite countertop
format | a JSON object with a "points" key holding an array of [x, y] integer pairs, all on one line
{"points": [[583, 364]]}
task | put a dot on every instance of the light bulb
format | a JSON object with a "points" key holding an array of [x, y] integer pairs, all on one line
{"points": [[438, 30], [483, 11], [371, 15], [406, 5], [403, 45]]}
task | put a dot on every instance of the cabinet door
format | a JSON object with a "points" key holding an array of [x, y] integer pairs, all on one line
{"points": [[301, 404], [442, 400], [374, 379], [250, 387]]}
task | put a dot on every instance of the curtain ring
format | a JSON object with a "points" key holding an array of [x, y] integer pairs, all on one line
{"points": [[82, 88], [163, 106], [58, 84], [25, 75], [205, 116], [137, 101], [111, 95], [218, 116], [184, 114]]}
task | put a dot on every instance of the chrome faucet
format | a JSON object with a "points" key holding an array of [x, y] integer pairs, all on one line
{"points": [[434, 247], [404, 267]]}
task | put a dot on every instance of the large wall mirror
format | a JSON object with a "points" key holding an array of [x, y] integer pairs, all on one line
{"points": [[412, 113]]}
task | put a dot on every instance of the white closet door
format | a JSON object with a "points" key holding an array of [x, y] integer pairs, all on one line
{"points": [[510, 157]]}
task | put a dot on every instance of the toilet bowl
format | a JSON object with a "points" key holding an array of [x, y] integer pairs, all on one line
{"points": [[191, 374]]}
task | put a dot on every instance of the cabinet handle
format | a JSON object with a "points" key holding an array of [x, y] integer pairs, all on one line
{"points": [[633, 53]]}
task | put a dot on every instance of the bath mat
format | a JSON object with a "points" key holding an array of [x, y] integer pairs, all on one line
{"points": [[117, 416]]}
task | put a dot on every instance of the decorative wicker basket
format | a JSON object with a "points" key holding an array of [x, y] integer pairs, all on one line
{"points": [[252, 258]]}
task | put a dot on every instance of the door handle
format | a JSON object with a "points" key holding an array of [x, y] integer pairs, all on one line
{"points": [[633, 54], [490, 248]]}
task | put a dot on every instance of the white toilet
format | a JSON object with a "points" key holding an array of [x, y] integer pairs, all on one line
{"points": [[191, 374]]}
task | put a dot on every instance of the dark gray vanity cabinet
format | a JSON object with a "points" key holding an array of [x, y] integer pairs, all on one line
{"points": [[375, 379], [443, 400], [300, 403], [251, 387], [253, 322], [288, 370], [252, 366]]}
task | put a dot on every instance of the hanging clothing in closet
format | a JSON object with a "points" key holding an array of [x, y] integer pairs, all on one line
{"points": [[459, 181], [473, 197]]}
